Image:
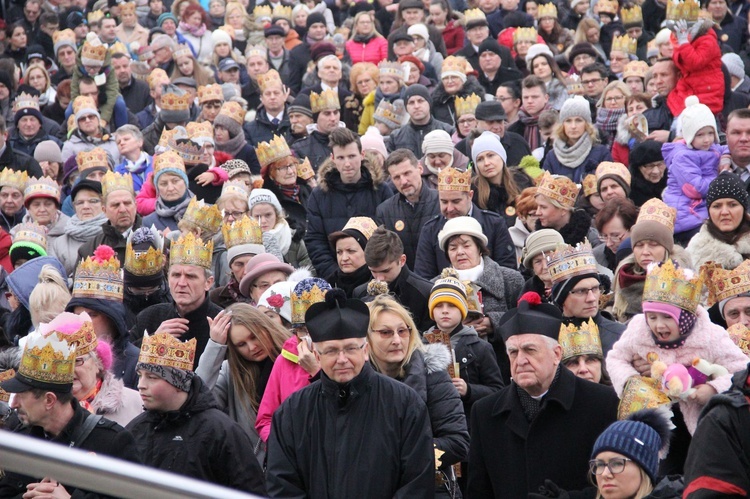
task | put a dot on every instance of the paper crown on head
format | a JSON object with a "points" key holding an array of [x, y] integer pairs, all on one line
{"points": [[233, 110], [25, 101], [525, 35], [157, 76], [127, 8], [190, 151], [467, 105], [191, 250], [571, 261], [606, 168], [625, 44], [558, 188], [454, 63], [452, 179], [305, 170], [170, 101], [168, 160], [95, 16], [182, 49], [327, 100], [202, 130], [210, 92], [119, 48], [43, 187], [95, 158], [635, 68], [641, 393], [163, 349], [93, 51], [723, 284], [235, 188], [262, 11], [390, 114], [655, 210], [740, 335], [5, 376], [246, 230], [282, 11], [112, 182], [206, 216], [270, 79], [546, 10], [83, 102], [166, 136], [13, 178], [666, 283], [76, 329], [66, 35], [388, 68], [583, 340], [474, 16], [273, 150], [148, 262], [632, 16], [256, 51], [47, 362], [99, 276], [687, 10], [30, 232], [304, 295], [364, 225], [589, 185], [608, 7]]}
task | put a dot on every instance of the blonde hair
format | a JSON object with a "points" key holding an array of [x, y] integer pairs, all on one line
{"points": [[586, 24], [385, 303], [614, 85], [560, 132], [49, 297], [483, 187], [44, 72], [361, 68], [358, 17], [200, 74], [643, 491]]}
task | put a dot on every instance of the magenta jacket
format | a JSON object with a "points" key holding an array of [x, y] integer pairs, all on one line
{"points": [[374, 51]]}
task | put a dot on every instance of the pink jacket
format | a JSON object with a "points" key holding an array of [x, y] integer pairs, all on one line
{"points": [[708, 341], [374, 51], [286, 378], [145, 201]]}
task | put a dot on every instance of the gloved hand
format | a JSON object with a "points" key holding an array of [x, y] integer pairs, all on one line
{"points": [[681, 32], [550, 489]]}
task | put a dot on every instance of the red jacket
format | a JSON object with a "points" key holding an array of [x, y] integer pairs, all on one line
{"points": [[700, 65], [506, 38], [374, 51], [5, 243], [454, 37]]}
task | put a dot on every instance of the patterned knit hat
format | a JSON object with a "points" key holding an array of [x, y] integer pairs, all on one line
{"points": [[727, 185], [448, 290]]}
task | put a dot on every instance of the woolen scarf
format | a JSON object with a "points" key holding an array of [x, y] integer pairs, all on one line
{"points": [[195, 31], [531, 128], [573, 156], [232, 146], [359, 38], [176, 211], [607, 119], [84, 230], [289, 192]]}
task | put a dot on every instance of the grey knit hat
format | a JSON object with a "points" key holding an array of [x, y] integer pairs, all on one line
{"points": [[540, 241], [48, 150], [417, 89], [576, 106], [734, 64]]}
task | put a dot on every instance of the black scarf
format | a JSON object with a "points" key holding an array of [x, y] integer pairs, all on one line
{"points": [[348, 282], [531, 406]]}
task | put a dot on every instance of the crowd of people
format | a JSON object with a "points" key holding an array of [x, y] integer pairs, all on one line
{"points": [[347, 248]]}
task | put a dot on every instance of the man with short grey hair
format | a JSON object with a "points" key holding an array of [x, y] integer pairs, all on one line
{"points": [[134, 160]]}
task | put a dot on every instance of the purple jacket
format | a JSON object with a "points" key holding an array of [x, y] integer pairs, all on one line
{"points": [[688, 181]]}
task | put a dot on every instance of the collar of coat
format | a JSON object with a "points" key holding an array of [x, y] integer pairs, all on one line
{"points": [[562, 393]]}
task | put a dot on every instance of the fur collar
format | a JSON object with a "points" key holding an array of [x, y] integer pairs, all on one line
{"points": [[437, 357], [472, 86], [704, 247], [623, 133], [576, 230], [328, 168], [109, 398]]}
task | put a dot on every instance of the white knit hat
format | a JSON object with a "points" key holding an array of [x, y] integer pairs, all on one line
{"points": [[220, 36], [488, 141], [536, 49], [662, 36], [437, 141], [734, 64], [419, 30], [576, 106], [259, 196], [694, 117]]}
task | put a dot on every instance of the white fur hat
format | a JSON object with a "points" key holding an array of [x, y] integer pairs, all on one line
{"points": [[694, 117]]}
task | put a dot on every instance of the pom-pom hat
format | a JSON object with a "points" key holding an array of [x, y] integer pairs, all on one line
{"points": [[448, 290], [694, 117]]}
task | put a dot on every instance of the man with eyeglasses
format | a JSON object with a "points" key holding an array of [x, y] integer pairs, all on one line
{"points": [[362, 432], [594, 78], [649, 172]]}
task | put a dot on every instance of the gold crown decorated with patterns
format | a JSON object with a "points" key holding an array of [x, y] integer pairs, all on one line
{"points": [[723, 284], [210, 92], [127, 8], [5, 376], [633, 15], [327, 100], [235, 188], [558, 188], [83, 102], [688, 10], [25, 101], [30, 232], [583, 340], [233, 110], [589, 185], [271, 151], [145, 263], [641, 393], [93, 48], [246, 230], [655, 210], [364, 225], [167, 136], [283, 12], [666, 283], [525, 35], [190, 151], [119, 48], [47, 359], [13, 178], [95, 158], [206, 216], [474, 15], [608, 7], [95, 16], [388, 68], [455, 64], [256, 51], [305, 170], [99, 276], [163, 349], [202, 130], [612, 168], [270, 79], [76, 329], [191, 250], [64, 35], [182, 49], [112, 181], [467, 105], [157, 77], [546, 10], [170, 101], [625, 44], [262, 11], [169, 159], [452, 179], [570, 261], [304, 295], [635, 68], [389, 112], [42, 187], [740, 335]]}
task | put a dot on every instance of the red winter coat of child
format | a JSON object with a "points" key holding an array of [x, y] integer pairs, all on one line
{"points": [[700, 64], [374, 51]]}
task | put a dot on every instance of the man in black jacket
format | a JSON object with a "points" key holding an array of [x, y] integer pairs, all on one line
{"points": [[16, 160], [135, 92], [491, 117], [272, 117], [326, 112], [299, 56], [477, 31], [419, 106]]}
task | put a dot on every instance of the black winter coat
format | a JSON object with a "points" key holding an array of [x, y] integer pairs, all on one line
{"points": [[510, 457], [198, 441], [407, 220], [262, 130], [503, 75], [20, 162], [659, 117], [111, 237], [431, 260], [314, 147], [299, 57], [151, 133], [443, 103], [28, 146], [411, 136], [136, 95], [296, 212], [498, 200], [372, 422]]}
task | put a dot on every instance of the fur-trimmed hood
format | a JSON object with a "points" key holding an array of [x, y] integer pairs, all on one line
{"points": [[116, 402], [431, 358], [704, 247], [327, 174], [437, 357], [472, 86], [10, 358]]}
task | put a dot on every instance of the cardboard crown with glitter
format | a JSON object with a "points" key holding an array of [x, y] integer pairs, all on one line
{"points": [[99, 276], [25, 101], [467, 105], [76, 329], [112, 182], [641, 393], [47, 362], [163, 349], [525, 35], [270, 79], [668, 283], [243, 231], [687, 10], [306, 293], [327, 100], [723, 284], [571, 261], [558, 188], [5, 376], [452, 179], [144, 262], [94, 158], [583, 340], [191, 250], [206, 216], [13, 178], [273, 150], [625, 44], [30, 232]]}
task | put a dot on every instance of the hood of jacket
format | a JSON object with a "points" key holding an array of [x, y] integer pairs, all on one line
{"points": [[433, 357], [109, 399], [328, 176], [199, 399], [472, 86]]}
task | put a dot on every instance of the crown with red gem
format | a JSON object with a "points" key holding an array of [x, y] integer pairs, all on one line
{"points": [[95, 158], [163, 349], [452, 179], [558, 188]]}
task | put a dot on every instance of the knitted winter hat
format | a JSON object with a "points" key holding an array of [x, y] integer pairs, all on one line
{"points": [[372, 140], [540, 241], [260, 196], [419, 90], [694, 117], [234, 167], [301, 105], [488, 141], [48, 150], [576, 106], [437, 141], [220, 36], [726, 185], [163, 17], [448, 290], [648, 151], [734, 64], [581, 48], [315, 18], [419, 30]]}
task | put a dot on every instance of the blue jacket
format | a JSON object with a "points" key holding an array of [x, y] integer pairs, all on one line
{"points": [[598, 154], [138, 177]]}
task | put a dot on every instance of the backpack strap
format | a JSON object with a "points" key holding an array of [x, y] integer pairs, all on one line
{"points": [[83, 431]]}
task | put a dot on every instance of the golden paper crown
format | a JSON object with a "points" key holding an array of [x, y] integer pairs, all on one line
{"points": [[93, 49], [474, 15], [95, 16], [168, 160], [170, 101], [119, 48], [558, 188], [233, 110], [388, 68], [5, 376], [282, 12], [327, 100], [390, 113], [99, 276], [25, 101], [13, 178], [191, 152], [48, 359], [83, 102], [276, 149], [145, 263], [270, 79], [191, 250], [525, 35], [95, 158], [305, 294], [235, 188], [451, 179], [163, 349], [655, 210], [546, 10], [41, 187], [466, 105], [625, 44], [202, 130], [633, 15], [582, 340], [364, 225], [688, 10], [157, 77], [262, 11], [256, 51], [571, 261], [666, 283], [723, 284], [635, 68], [112, 181], [64, 35], [455, 64], [641, 393], [206, 216], [740, 335], [182, 49], [30, 232], [127, 8], [210, 92], [612, 168], [305, 170], [608, 6], [589, 185], [83, 339], [167, 136], [246, 230]]}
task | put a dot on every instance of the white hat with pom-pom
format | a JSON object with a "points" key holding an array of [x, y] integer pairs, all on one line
{"points": [[694, 117]]}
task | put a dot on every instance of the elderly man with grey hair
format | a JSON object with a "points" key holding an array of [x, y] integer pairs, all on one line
{"points": [[331, 73], [133, 159]]}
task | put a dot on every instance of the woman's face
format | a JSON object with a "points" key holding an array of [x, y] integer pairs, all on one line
{"points": [[84, 376], [463, 252], [614, 99], [636, 107], [38, 80], [541, 68], [647, 252], [185, 65], [276, 318], [438, 15], [613, 232], [265, 214], [50, 169], [546, 24], [222, 50], [452, 84], [221, 134], [490, 166], [364, 25], [549, 214], [388, 85], [285, 174], [466, 123], [247, 344], [419, 43], [42, 210], [726, 214], [635, 84], [651, 87], [623, 485], [574, 127], [522, 47], [87, 204], [236, 19], [666, 50], [18, 39], [195, 18], [592, 35], [171, 187], [349, 255], [169, 26], [586, 367], [610, 189], [414, 74], [265, 281], [388, 346], [300, 19], [539, 265], [663, 326], [365, 84]]}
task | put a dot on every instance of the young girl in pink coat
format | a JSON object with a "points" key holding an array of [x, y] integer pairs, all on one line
{"points": [[678, 330]]}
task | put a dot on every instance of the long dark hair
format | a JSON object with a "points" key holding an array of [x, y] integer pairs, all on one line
{"points": [[732, 237]]}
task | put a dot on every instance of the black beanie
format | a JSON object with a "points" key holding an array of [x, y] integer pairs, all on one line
{"points": [[315, 17], [648, 151], [727, 185], [489, 45], [419, 90], [561, 290]]}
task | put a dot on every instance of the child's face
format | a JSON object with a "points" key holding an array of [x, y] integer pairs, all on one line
{"points": [[663, 326], [447, 316], [704, 139]]}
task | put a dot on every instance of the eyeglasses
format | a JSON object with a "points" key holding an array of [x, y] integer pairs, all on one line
{"points": [[465, 121], [88, 117], [81, 360], [583, 292], [385, 334], [614, 99], [234, 214], [92, 201], [616, 465], [592, 81], [285, 168], [612, 237], [652, 166], [350, 351]]}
